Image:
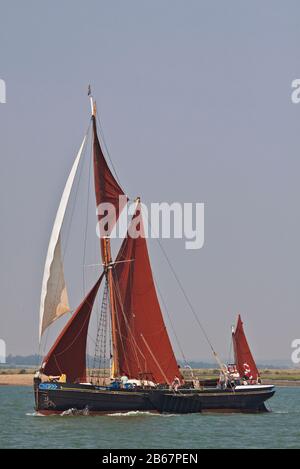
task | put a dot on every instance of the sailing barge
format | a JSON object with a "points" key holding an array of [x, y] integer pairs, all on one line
{"points": [[144, 374]]}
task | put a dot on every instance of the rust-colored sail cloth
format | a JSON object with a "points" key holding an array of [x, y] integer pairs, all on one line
{"points": [[143, 346], [106, 187], [68, 354], [242, 352]]}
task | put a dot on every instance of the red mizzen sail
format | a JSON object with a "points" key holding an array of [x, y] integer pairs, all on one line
{"points": [[68, 354], [144, 348], [107, 188], [242, 352]]}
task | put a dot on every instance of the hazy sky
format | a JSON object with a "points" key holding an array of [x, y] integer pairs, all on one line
{"points": [[195, 101]]}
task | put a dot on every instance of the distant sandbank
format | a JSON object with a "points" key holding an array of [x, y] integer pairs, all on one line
{"points": [[16, 380]]}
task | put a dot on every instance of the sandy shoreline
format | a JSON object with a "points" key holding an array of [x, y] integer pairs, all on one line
{"points": [[16, 380], [27, 380]]}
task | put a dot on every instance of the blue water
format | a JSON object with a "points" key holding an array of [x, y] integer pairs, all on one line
{"points": [[20, 427]]}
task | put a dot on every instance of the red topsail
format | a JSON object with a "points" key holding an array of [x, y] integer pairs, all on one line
{"points": [[242, 353], [144, 348], [107, 189]]}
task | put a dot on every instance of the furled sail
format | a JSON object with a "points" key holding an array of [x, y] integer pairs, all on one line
{"points": [[242, 353], [68, 354], [144, 348], [107, 188], [54, 298]]}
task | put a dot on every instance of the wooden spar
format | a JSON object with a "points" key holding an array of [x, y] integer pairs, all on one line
{"points": [[107, 260], [93, 103], [157, 364]]}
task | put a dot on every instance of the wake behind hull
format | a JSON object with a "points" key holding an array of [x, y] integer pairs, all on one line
{"points": [[57, 398]]}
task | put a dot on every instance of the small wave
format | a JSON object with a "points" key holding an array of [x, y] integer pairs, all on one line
{"points": [[131, 413], [73, 411], [285, 412], [34, 414], [139, 413]]}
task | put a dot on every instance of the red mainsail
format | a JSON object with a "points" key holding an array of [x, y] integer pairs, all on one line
{"points": [[242, 353], [107, 189], [144, 348], [68, 354]]}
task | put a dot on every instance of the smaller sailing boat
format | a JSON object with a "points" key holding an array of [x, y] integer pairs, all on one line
{"points": [[243, 373], [244, 361], [144, 374]]}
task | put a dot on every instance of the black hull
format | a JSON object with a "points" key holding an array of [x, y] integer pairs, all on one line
{"points": [[57, 398]]}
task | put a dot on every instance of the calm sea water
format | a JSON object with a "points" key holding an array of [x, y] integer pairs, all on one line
{"points": [[20, 427]]}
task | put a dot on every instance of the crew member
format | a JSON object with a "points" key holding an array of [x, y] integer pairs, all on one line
{"points": [[247, 372], [176, 383]]}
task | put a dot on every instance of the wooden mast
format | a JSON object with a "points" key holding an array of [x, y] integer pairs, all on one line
{"points": [[107, 263]]}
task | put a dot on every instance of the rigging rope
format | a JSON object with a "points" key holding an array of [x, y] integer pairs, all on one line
{"points": [[230, 350], [187, 299], [86, 228], [170, 320]]}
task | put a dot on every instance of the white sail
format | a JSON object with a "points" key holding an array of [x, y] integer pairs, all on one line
{"points": [[54, 297]]}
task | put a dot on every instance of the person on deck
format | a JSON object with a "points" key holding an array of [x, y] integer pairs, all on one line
{"points": [[234, 375], [124, 380], [176, 383], [247, 372]]}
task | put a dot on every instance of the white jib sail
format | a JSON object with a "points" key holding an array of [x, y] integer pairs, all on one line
{"points": [[54, 297]]}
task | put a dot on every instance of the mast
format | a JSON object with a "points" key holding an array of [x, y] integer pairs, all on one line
{"points": [[105, 242], [107, 190]]}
